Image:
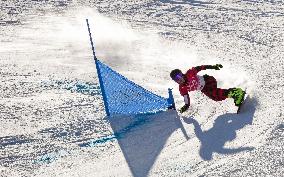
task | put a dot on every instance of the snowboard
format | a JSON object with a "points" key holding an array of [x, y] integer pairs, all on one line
{"points": [[242, 104]]}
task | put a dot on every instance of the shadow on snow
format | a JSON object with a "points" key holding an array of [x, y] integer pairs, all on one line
{"points": [[142, 146], [223, 130]]}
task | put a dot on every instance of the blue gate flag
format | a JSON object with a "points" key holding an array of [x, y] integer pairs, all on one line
{"points": [[122, 96], [125, 97]]}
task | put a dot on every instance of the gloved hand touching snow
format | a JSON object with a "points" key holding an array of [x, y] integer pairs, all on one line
{"points": [[184, 108]]}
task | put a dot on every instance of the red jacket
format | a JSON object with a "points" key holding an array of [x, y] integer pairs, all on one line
{"points": [[193, 81]]}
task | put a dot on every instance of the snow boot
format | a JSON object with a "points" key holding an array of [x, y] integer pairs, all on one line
{"points": [[237, 94]]}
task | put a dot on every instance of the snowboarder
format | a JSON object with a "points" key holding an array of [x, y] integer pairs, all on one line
{"points": [[206, 84]]}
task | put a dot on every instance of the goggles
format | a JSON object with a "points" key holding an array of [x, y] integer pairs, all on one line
{"points": [[178, 77]]}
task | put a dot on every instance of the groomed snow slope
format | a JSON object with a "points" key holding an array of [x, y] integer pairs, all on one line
{"points": [[52, 117]]}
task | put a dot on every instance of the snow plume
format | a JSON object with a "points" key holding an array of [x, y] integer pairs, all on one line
{"points": [[141, 55], [118, 42], [229, 76], [54, 40], [132, 51]]}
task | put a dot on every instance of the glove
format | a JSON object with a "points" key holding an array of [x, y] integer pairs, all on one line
{"points": [[184, 108], [218, 66]]}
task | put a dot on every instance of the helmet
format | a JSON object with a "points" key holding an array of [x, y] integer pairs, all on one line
{"points": [[174, 73]]}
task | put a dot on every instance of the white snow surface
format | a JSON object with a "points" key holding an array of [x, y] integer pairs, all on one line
{"points": [[49, 127]]}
